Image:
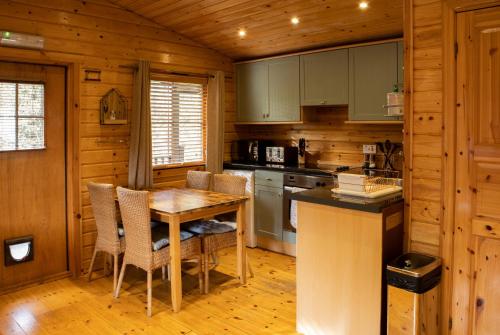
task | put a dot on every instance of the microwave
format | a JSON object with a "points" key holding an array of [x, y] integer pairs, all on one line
{"points": [[282, 155]]}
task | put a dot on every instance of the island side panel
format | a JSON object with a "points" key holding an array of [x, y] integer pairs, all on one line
{"points": [[339, 270]]}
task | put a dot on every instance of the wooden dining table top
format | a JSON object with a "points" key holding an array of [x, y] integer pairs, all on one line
{"points": [[183, 200]]}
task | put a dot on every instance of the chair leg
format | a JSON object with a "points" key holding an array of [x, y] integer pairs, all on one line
{"points": [[200, 273], [169, 272], [120, 280], [206, 272], [163, 273], [150, 291], [115, 271], [249, 266], [215, 258], [92, 264]]}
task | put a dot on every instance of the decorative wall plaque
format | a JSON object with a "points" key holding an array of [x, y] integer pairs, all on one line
{"points": [[113, 108]]}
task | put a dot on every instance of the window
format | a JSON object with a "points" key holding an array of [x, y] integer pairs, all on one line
{"points": [[22, 116], [177, 122]]}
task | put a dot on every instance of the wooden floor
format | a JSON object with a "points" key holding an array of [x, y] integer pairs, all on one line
{"points": [[266, 305]]}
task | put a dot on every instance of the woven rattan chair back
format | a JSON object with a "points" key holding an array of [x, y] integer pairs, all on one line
{"points": [[229, 184], [199, 180], [104, 208], [136, 217]]}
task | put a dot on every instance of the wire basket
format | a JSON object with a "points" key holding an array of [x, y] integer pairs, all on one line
{"points": [[367, 184], [374, 184]]}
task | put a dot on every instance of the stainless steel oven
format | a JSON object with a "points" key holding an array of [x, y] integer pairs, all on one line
{"points": [[299, 182]]}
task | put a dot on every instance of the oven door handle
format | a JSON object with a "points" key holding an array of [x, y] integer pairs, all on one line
{"points": [[289, 189]]}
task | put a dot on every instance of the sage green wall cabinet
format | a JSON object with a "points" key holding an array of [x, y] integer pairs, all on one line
{"points": [[252, 92], [373, 72], [324, 78], [284, 89], [268, 91], [268, 204]]}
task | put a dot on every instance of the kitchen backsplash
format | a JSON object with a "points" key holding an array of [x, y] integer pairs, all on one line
{"points": [[328, 138]]}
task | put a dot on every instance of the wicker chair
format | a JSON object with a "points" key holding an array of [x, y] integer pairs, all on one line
{"points": [[149, 248], [218, 235], [109, 236], [199, 180]]}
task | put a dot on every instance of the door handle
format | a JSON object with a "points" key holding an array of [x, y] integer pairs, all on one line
{"points": [[268, 179]]}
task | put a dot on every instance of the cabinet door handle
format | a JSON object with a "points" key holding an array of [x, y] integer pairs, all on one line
{"points": [[268, 179]]}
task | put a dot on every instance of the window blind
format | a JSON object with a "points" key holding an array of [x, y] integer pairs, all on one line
{"points": [[22, 116], [177, 122]]}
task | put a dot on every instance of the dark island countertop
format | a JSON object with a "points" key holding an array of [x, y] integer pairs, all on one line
{"points": [[324, 196], [327, 171]]}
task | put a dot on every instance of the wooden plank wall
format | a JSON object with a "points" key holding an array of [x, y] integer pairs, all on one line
{"points": [[424, 38], [329, 139], [99, 35]]}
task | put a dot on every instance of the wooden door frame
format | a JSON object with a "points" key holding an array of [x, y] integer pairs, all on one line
{"points": [[448, 181], [72, 110]]}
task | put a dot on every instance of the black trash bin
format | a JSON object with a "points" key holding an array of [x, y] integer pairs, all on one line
{"points": [[413, 294]]}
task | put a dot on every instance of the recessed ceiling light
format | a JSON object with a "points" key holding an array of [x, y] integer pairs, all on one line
{"points": [[242, 33], [363, 5], [295, 20]]}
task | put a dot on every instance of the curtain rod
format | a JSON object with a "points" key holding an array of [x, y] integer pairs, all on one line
{"points": [[160, 71]]}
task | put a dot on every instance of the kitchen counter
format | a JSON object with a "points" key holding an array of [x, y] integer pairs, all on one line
{"points": [[343, 246], [320, 171], [324, 196]]}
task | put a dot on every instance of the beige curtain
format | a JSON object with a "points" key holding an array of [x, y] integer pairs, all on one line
{"points": [[140, 173], [215, 122]]}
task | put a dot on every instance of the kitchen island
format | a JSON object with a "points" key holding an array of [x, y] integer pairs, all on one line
{"points": [[343, 245]]}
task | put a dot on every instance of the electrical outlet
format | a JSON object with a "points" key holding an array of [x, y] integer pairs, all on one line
{"points": [[369, 149]]}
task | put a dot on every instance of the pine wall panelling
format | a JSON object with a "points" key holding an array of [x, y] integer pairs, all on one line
{"points": [[329, 139], [425, 132], [98, 34]]}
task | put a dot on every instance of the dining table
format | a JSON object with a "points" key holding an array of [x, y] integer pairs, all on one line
{"points": [[175, 206]]}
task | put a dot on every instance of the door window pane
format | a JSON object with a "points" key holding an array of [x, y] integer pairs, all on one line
{"points": [[22, 116]]}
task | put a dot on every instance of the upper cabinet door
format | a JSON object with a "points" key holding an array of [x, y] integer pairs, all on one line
{"points": [[324, 78], [252, 92], [284, 90], [373, 72]]}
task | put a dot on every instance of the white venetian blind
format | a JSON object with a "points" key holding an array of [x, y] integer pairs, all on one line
{"points": [[22, 116], [177, 122]]}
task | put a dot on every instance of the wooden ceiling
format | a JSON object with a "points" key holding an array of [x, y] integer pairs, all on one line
{"points": [[215, 23]]}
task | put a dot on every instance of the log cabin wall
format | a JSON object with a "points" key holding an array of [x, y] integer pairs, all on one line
{"points": [[424, 124], [328, 138], [99, 35]]}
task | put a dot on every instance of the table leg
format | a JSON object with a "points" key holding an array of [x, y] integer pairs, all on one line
{"points": [[175, 262], [241, 243]]}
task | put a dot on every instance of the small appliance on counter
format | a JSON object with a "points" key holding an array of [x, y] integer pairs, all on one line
{"points": [[288, 156], [249, 151], [302, 151]]}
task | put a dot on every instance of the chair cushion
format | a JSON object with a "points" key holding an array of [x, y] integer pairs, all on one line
{"points": [[121, 229], [211, 227], [160, 236]]}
